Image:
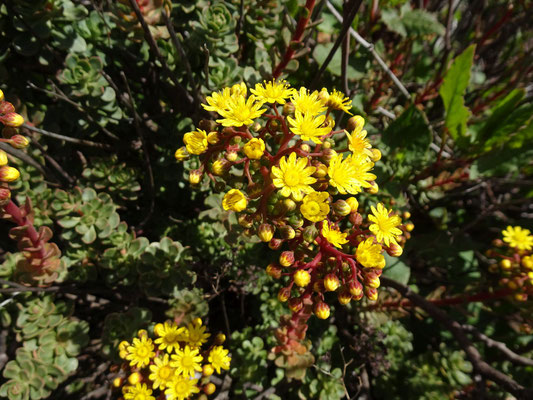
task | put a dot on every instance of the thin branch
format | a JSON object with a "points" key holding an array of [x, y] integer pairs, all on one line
{"points": [[480, 366], [370, 47], [345, 51], [69, 139], [53, 162], [26, 158]]}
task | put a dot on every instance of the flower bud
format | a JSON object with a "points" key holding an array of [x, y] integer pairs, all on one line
{"points": [[372, 280], [1, 96], [134, 378], [356, 219], [19, 141], [208, 370], [287, 232], [355, 124], [296, 304], [181, 154], [274, 271], [12, 119], [374, 188], [284, 294], [353, 203], [331, 282], [231, 155], [318, 286], [265, 232], [220, 166], [9, 174], [275, 243], [505, 264], [288, 109], [245, 221], [409, 226], [371, 293], [342, 208], [376, 155], [195, 177], [305, 147], [406, 215], [289, 205], [286, 259], [5, 196], [527, 262], [328, 154], [6, 108], [209, 388], [394, 250], [344, 297], [3, 158], [321, 170], [254, 149], [220, 338], [117, 382], [520, 296], [310, 233], [296, 221], [355, 288], [321, 310], [301, 278], [213, 137]]}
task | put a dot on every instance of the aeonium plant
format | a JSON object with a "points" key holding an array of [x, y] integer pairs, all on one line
{"points": [[293, 179]]}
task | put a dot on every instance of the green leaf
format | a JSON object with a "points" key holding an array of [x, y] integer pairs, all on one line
{"points": [[411, 22], [89, 236], [409, 131], [396, 269], [452, 93]]}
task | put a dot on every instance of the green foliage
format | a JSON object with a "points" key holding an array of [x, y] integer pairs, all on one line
{"points": [[411, 22]]}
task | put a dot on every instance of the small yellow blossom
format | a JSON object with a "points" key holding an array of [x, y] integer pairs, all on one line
{"points": [[272, 92], [218, 357], [293, 177], [234, 200], [138, 392], [187, 361], [315, 206], [307, 103], [359, 144], [218, 100], [384, 226], [161, 372], [169, 336], [240, 111], [254, 149], [140, 352], [350, 175], [181, 154], [369, 255], [333, 235], [181, 388], [518, 237], [336, 100], [239, 89], [308, 127], [197, 334], [196, 142]]}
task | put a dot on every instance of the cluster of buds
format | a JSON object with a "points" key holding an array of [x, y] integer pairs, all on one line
{"points": [[11, 121], [513, 261], [292, 179], [176, 365]]}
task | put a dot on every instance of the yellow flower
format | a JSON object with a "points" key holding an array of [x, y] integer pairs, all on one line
{"points": [[218, 100], [181, 388], [359, 144], [308, 127], [336, 100], [161, 372], [186, 361], [518, 238], [218, 357], [307, 103], [272, 92], [254, 149], [196, 142], [332, 234], [315, 206], [234, 200], [351, 174], [293, 177], [169, 336], [384, 226], [181, 154], [369, 254], [197, 334], [138, 392], [239, 89], [140, 352], [240, 111]]}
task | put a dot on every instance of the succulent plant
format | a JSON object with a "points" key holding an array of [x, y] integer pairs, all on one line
{"points": [[152, 11], [83, 75], [85, 215], [186, 305], [113, 177]]}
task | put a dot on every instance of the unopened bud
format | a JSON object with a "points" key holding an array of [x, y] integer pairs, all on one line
{"points": [[1, 96], [265, 232], [213, 137], [374, 188], [305, 147], [527, 262], [310, 233], [353, 203], [520, 296], [376, 155], [342, 208], [372, 280], [356, 219], [274, 271], [220, 338], [331, 282], [208, 370], [288, 109], [284, 294], [6, 108], [321, 310], [328, 154], [19, 141], [245, 220], [505, 264], [12, 119], [287, 232], [9, 174], [181, 154], [231, 155], [355, 288], [409, 226], [195, 177], [134, 378], [209, 388], [296, 221], [117, 382], [289, 205], [355, 124], [371, 293], [275, 243], [344, 297], [5, 196], [220, 166], [301, 278], [321, 170], [394, 250], [3, 158], [318, 286], [296, 304]]}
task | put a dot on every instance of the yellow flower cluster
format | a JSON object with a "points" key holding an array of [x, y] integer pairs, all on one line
{"points": [[292, 176], [176, 363], [11, 121], [513, 260]]}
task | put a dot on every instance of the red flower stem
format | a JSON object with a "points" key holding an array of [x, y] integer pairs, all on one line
{"points": [[296, 38], [15, 212]]}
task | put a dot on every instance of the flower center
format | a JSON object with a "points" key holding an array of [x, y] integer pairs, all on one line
{"points": [[292, 178], [187, 361], [142, 351], [313, 208], [164, 372]]}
